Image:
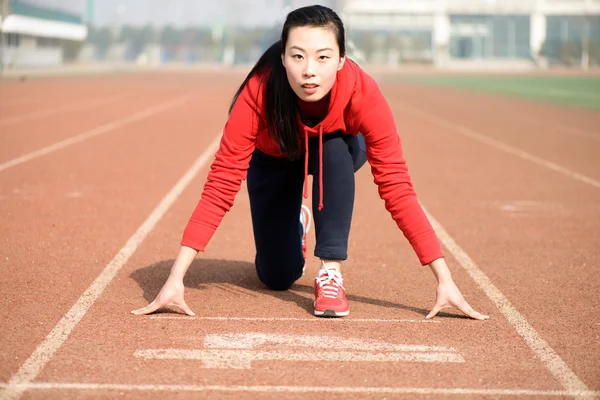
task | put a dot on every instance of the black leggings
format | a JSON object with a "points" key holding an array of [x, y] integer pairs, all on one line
{"points": [[275, 186]]}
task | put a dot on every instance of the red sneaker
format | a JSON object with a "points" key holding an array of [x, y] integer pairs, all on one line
{"points": [[330, 295], [305, 220]]}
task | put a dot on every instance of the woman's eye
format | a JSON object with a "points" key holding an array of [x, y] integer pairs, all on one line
{"points": [[323, 58], [297, 56]]}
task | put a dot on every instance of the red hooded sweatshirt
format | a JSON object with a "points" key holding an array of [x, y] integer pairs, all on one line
{"points": [[356, 105]]}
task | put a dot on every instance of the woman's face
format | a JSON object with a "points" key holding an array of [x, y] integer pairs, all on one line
{"points": [[311, 59]]}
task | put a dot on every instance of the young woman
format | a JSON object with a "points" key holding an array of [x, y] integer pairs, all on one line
{"points": [[306, 109]]}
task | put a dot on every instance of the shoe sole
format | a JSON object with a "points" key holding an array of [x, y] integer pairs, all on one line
{"points": [[331, 313]]}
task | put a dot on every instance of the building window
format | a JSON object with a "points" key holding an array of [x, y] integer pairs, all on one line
{"points": [[490, 36], [13, 39], [47, 42]]}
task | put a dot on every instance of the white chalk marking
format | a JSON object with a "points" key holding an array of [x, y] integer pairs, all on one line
{"points": [[237, 350], [253, 340], [242, 359], [553, 92], [566, 129], [283, 319], [539, 346], [500, 146], [57, 110], [95, 132], [304, 389], [55, 339]]}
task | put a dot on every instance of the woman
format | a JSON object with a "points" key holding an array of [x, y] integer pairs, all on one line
{"points": [[299, 112]]}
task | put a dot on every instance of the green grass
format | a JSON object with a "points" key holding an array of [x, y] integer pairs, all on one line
{"points": [[568, 90]]}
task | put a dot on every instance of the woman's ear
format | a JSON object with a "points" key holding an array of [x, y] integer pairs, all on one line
{"points": [[283, 59], [341, 63]]}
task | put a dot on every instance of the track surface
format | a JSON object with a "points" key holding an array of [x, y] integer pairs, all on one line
{"points": [[98, 177]]}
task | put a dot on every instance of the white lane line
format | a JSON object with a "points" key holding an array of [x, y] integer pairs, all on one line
{"points": [[539, 346], [55, 339], [553, 92], [95, 132], [578, 131], [57, 110], [499, 145], [283, 319], [242, 359], [239, 350], [564, 128], [306, 389], [252, 340]]}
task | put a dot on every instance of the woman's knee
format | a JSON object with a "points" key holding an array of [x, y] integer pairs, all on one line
{"points": [[280, 282], [278, 274]]}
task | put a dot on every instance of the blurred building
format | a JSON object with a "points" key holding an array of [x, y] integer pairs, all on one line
{"points": [[40, 33], [442, 31]]}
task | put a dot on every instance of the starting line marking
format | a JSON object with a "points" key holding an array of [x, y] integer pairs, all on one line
{"points": [[304, 389], [314, 319], [238, 350]]}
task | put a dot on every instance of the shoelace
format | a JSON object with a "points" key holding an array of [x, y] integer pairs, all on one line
{"points": [[330, 282]]}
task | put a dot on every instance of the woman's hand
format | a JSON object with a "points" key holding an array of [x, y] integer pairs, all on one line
{"points": [[447, 293], [171, 294]]}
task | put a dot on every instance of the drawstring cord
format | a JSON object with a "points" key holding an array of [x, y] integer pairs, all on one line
{"points": [[320, 168], [306, 131]]}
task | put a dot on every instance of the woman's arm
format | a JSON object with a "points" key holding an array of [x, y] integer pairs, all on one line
{"points": [[223, 182], [229, 168], [390, 172], [172, 292], [447, 294]]}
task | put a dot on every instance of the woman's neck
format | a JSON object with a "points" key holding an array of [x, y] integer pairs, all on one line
{"points": [[315, 109]]}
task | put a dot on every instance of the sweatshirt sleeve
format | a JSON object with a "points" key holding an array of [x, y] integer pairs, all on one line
{"points": [[229, 168], [390, 172]]}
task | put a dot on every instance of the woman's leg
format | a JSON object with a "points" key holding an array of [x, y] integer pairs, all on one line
{"points": [[342, 156], [275, 191], [332, 223]]}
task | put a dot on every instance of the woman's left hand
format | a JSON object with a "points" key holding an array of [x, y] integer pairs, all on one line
{"points": [[448, 295]]}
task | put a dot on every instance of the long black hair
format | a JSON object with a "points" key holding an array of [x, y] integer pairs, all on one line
{"points": [[280, 100]]}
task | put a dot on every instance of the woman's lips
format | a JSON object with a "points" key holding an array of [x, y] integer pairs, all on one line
{"points": [[310, 88]]}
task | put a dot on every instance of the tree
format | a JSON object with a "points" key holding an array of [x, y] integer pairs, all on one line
{"points": [[101, 38], [171, 36], [71, 49]]}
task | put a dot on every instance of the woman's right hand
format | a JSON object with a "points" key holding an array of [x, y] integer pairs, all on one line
{"points": [[171, 294]]}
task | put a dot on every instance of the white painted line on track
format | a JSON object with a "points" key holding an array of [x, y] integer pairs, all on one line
{"points": [[498, 144], [539, 346], [252, 340], [305, 389], [242, 359], [239, 350], [55, 339], [95, 132], [284, 319], [578, 131], [57, 110]]}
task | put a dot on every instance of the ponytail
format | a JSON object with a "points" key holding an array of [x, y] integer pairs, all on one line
{"points": [[280, 101]]}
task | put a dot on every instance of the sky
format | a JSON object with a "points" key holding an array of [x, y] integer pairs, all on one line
{"points": [[182, 12]]}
